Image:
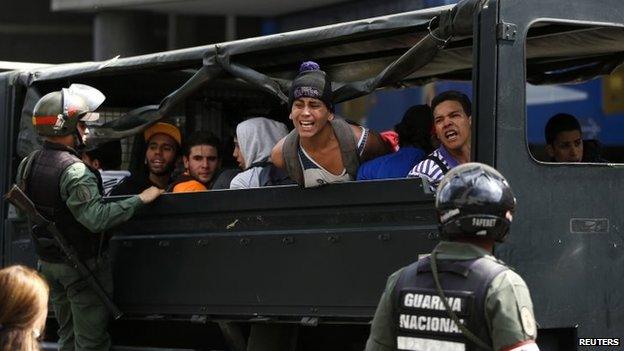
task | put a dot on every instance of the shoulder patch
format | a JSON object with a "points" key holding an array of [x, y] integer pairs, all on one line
{"points": [[528, 321], [83, 193]]}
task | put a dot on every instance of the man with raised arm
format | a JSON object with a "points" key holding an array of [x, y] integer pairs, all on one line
{"points": [[322, 149]]}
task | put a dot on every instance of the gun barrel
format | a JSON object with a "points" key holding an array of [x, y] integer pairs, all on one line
{"points": [[20, 200]]}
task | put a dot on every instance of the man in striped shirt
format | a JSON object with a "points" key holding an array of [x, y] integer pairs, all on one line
{"points": [[451, 120]]}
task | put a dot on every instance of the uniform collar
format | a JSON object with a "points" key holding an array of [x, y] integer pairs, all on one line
{"points": [[452, 250], [452, 162], [56, 146]]}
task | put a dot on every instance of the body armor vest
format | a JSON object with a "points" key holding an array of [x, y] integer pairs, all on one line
{"points": [[421, 319], [43, 188]]}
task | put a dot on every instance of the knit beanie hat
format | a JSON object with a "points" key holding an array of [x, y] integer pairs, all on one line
{"points": [[313, 83]]}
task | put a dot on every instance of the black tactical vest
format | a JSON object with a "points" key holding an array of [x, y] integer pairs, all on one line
{"points": [[421, 320], [43, 188]]}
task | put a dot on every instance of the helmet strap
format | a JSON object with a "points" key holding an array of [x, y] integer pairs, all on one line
{"points": [[79, 143], [449, 311]]}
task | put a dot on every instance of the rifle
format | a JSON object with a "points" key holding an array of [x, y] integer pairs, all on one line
{"points": [[20, 200]]}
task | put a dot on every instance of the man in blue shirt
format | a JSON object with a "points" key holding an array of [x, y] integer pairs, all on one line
{"points": [[414, 132]]}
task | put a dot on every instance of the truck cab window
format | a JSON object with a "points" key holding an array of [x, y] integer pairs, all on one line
{"points": [[581, 121]]}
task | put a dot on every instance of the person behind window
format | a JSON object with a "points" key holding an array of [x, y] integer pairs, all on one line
{"points": [[451, 120], [202, 163], [322, 149], [414, 134], [163, 143], [564, 139], [254, 141], [23, 308], [106, 158]]}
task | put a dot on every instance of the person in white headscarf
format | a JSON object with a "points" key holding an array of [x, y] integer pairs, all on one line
{"points": [[254, 141]]}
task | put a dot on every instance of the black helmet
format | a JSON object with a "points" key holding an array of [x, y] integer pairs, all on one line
{"points": [[474, 200]]}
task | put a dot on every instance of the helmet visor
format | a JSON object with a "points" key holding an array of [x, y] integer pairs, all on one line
{"points": [[90, 117], [77, 96]]}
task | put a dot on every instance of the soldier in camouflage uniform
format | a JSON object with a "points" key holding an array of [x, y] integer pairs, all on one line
{"points": [[460, 297], [68, 192]]}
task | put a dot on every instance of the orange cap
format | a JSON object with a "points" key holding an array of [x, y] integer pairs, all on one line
{"points": [[164, 128], [189, 186]]}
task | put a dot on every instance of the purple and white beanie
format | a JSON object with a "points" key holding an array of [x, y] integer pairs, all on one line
{"points": [[311, 82]]}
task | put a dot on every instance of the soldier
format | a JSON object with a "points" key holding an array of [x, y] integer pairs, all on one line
{"points": [[68, 192], [460, 297]]}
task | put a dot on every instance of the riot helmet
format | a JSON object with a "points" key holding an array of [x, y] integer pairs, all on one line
{"points": [[474, 200], [57, 113]]}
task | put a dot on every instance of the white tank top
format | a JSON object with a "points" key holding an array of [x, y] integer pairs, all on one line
{"points": [[315, 175]]}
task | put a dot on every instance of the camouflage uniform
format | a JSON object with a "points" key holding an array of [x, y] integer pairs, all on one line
{"points": [[82, 317]]}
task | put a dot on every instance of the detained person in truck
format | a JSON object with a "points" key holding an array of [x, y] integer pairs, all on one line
{"points": [[322, 149], [254, 141], [414, 141], [163, 144], [202, 164], [564, 138], [69, 193], [106, 158], [460, 297], [451, 121]]}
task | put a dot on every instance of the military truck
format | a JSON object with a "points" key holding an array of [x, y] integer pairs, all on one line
{"points": [[302, 269]]}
